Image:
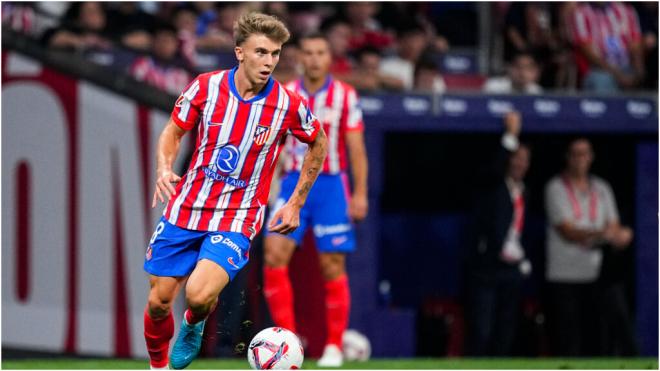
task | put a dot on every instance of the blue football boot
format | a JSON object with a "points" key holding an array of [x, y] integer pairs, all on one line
{"points": [[187, 345]]}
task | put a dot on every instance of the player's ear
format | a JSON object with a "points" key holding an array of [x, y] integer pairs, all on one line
{"points": [[239, 54]]}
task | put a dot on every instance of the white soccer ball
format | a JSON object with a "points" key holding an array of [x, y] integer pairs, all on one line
{"points": [[275, 348], [356, 346]]}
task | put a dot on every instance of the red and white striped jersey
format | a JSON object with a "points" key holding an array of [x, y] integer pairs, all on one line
{"points": [[238, 142], [610, 28], [336, 106]]}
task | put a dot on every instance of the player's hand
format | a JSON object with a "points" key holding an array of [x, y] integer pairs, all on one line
{"points": [[358, 207], [164, 186], [512, 122], [288, 217]]}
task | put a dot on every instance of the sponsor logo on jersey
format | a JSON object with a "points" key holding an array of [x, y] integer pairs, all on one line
{"points": [[226, 162], [261, 135], [216, 238], [209, 123], [323, 230], [227, 159], [148, 255]]}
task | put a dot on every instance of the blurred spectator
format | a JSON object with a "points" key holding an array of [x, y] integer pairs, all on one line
{"points": [[338, 33], [648, 21], [185, 22], [131, 25], [608, 44], [411, 44], [365, 29], [367, 75], [19, 17], [457, 21], [528, 28], [288, 68], [531, 26], [215, 28], [522, 77], [496, 262], [161, 69], [582, 217], [83, 27], [428, 78]]}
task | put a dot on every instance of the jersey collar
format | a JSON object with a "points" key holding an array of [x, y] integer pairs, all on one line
{"points": [[263, 93], [301, 83]]}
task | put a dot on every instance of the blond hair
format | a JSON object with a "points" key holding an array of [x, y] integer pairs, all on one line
{"points": [[259, 23]]}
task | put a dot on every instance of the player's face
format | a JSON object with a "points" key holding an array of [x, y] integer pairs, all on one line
{"points": [[580, 157], [316, 58], [259, 56]]}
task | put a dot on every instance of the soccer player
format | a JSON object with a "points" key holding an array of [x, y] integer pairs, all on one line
{"points": [[330, 207], [242, 117]]}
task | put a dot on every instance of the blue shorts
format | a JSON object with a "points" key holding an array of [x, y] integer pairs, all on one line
{"points": [[326, 211], [174, 251]]}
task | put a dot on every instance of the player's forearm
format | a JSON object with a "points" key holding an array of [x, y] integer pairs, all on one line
{"points": [[168, 146], [359, 167], [577, 235], [311, 168]]}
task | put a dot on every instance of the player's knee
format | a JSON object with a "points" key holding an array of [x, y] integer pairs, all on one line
{"points": [[275, 256], [200, 300], [158, 308], [332, 265], [332, 270]]}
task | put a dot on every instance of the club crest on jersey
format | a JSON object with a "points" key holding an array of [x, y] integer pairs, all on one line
{"points": [[261, 135]]}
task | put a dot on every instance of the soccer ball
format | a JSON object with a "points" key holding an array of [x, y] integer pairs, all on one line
{"points": [[275, 348], [356, 346]]}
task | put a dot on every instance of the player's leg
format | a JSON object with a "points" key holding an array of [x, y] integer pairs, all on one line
{"points": [[170, 257], [158, 319], [221, 256], [278, 292], [278, 250], [334, 238], [337, 305]]}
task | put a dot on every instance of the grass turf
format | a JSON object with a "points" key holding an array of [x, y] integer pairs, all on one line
{"points": [[402, 363]]}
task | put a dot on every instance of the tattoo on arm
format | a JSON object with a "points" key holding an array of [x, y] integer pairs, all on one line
{"points": [[312, 166]]}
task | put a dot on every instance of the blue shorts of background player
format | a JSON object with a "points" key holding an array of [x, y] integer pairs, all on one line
{"points": [[325, 211], [174, 251]]}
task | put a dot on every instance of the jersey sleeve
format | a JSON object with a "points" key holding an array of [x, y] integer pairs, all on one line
{"points": [[304, 126], [189, 105], [354, 120]]}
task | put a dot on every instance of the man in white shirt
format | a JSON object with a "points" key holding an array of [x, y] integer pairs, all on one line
{"points": [[582, 216], [522, 77]]}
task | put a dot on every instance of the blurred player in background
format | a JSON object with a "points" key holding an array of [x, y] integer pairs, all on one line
{"points": [[242, 117], [330, 210]]}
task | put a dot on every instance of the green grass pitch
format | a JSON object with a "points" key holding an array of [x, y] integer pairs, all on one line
{"points": [[382, 364]]}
